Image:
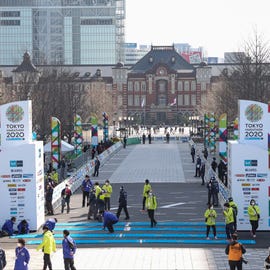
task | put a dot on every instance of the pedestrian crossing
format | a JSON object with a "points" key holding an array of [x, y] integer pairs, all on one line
{"points": [[137, 233]]}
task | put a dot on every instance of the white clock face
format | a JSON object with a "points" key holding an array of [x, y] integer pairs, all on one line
{"points": [[161, 72]]}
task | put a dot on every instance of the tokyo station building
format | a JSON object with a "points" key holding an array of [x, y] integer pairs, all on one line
{"points": [[160, 88]]}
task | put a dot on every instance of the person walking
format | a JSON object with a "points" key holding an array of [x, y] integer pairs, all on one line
{"points": [[235, 251], [66, 194], [215, 191], [214, 164], [198, 166], [22, 256], [48, 246], [234, 207], [86, 187], [93, 152], [205, 153], [99, 201], [109, 219], [146, 188], [124, 141], [168, 137], [69, 249], [151, 206], [49, 198], [122, 203], [92, 202], [97, 165], [209, 194], [229, 220], [192, 152], [210, 220], [143, 138], [254, 216], [107, 195], [149, 138], [202, 172], [3, 260]]}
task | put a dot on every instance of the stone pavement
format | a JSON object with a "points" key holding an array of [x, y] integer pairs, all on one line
{"points": [[158, 257], [143, 258]]}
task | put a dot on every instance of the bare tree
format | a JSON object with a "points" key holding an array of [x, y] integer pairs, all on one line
{"points": [[248, 77]]}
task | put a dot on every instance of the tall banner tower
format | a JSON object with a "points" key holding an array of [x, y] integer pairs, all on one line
{"points": [[21, 170], [55, 142], [78, 136], [248, 163]]}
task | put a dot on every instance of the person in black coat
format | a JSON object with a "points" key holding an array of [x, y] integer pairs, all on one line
{"points": [[149, 138], [205, 153], [97, 165], [122, 203], [198, 166], [202, 172], [214, 164], [192, 152], [143, 138], [49, 198]]}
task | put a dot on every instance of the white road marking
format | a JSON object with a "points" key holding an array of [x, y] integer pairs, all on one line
{"points": [[172, 205]]}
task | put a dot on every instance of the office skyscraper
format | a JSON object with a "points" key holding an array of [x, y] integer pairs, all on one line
{"points": [[62, 31]]}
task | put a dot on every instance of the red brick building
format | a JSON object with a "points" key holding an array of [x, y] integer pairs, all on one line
{"points": [[160, 88]]}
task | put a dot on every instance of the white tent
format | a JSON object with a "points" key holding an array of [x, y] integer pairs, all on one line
{"points": [[65, 147]]}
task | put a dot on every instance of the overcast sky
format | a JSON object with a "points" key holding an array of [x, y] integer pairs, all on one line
{"points": [[217, 25]]}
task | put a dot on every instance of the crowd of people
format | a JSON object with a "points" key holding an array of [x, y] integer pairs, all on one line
{"points": [[97, 197]]}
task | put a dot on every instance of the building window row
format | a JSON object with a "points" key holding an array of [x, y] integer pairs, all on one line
{"points": [[136, 100], [10, 14], [10, 22], [188, 85], [96, 21], [136, 86], [186, 100]]}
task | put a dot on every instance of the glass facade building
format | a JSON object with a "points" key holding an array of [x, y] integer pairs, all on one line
{"points": [[62, 31]]}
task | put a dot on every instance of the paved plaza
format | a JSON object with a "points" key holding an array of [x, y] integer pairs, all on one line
{"points": [[180, 198]]}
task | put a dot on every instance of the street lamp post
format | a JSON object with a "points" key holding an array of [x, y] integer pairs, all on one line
{"points": [[120, 120], [125, 123]]}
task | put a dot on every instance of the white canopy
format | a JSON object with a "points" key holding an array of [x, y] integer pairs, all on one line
{"points": [[65, 147]]}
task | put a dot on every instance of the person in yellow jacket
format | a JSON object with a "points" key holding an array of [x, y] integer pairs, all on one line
{"points": [[48, 246], [151, 206], [229, 220], [99, 201], [235, 251], [254, 216], [54, 176], [210, 220], [107, 195], [146, 188]]}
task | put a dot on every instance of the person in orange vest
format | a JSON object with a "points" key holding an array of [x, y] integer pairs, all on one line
{"points": [[235, 251]]}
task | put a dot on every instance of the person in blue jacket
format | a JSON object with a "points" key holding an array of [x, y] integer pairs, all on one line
{"points": [[23, 227], [86, 187], [108, 220], [22, 256], [50, 223], [69, 249], [7, 228]]}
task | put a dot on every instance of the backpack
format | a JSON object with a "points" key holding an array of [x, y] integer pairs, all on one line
{"points": [[3, 261]]}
